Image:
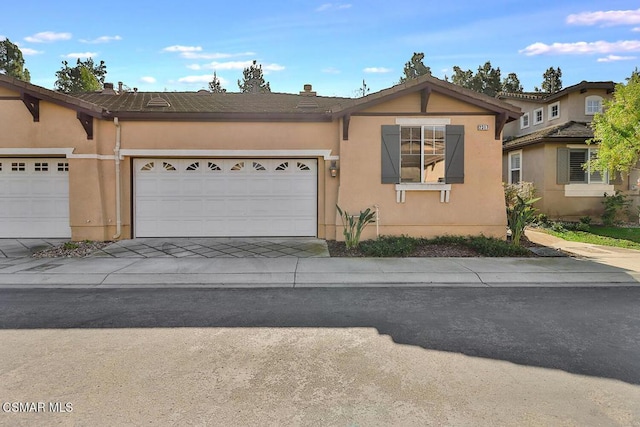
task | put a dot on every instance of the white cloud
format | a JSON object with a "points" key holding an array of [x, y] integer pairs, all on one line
{"points": [[331, 70], [636, 29], [614, 58], [26, 51], [48, 37], [272, 67], [580, 48], [206, 78], [102, 39], [80, 55], [333, 6], [180, 48], [147, 79], [194, 67], [229, 65], [377, 70], [606, 18]]}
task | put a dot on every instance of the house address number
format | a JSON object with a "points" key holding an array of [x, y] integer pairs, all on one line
{"points": [[483, 127]]}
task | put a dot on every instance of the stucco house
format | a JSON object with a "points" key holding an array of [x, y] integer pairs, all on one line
{"points": [[118, 165], [547, 146]]}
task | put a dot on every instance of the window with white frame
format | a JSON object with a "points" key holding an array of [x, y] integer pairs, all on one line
{"points": [[554, 110], [524, 121], [579, 170], [592, 105], [515, 167], [538, 116], [422, 153]]}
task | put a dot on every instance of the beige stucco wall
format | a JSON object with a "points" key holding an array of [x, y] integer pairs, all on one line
{"points": [[475, 207]]}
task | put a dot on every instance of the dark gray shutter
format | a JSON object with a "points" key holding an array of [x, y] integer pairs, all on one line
{"points": [[454, 154], [390, 154], [562, 166]]}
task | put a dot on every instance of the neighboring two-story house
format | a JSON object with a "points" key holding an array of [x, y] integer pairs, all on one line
{"points": [[547, 146]]}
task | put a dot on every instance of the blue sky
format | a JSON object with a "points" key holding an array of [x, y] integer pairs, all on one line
{"points": [[176, 46]]}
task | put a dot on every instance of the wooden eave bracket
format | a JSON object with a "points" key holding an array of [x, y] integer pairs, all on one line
{"points": [[345, 126], [87, 123], [501, 120], [33, 105], [424, 98]]}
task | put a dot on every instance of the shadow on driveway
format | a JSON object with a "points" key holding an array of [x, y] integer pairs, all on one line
{"points": [[588, 331]]}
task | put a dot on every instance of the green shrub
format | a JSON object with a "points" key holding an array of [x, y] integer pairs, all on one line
{"points": [[492, 247], [389, 246], [519, 216], [614, 205], [353, 226], [558, 227], [541, 220]]}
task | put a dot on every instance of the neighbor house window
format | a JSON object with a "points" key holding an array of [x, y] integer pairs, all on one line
{"points": [[554, 110], [578, 173], [524, 121], [515, 167], [592, 105], [538, 116], [422, 153]]}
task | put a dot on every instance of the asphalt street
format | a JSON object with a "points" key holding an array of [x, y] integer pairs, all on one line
{"points": [[401, 356]]}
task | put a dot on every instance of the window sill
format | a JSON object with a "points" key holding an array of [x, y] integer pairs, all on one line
{"points": [[587, 190], [444, 190]]}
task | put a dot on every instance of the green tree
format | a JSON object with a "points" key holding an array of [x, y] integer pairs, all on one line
{"points": [[12, 62], [486, 80], [253, 80], [552, 80], [617, 129], [415, 68], [363, 90], [511, 84], [215, 86], [462, 78], [86, 76]]}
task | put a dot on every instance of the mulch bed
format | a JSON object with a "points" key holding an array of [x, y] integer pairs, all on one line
{"points": [[338, 249]]}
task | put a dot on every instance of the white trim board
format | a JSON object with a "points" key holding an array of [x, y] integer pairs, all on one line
{"points": [[326, 154]]}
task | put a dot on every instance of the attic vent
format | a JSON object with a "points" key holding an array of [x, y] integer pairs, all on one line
{"points": [[158, 102], [203, 92], [307, 103]]}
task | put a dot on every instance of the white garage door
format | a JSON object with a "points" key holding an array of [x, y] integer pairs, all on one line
{"points": [[225, 197], [34, 198]]}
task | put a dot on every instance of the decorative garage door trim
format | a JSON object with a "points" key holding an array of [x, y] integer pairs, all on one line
{"points": [[213, 197], [34, 198]]}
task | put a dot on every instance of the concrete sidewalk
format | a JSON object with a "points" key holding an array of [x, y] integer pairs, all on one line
{"points": [[308, 272]]}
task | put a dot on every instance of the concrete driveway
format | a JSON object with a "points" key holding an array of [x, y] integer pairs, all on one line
{"points": [[182, 247]]}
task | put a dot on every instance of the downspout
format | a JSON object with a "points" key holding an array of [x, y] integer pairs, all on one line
{"points": [[116, 151]]}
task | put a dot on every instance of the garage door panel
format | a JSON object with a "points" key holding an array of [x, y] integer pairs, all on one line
{"points": [[34, 198], [226, 197]]}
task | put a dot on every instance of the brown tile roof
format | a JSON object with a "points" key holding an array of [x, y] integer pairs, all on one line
{"points": [[205, 102], [543, 97], [567, 132]]}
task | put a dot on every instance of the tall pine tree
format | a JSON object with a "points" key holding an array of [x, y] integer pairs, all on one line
{"points": [[253, 80]]}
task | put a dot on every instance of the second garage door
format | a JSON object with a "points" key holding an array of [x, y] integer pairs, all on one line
{"points": [[225, 197]]}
